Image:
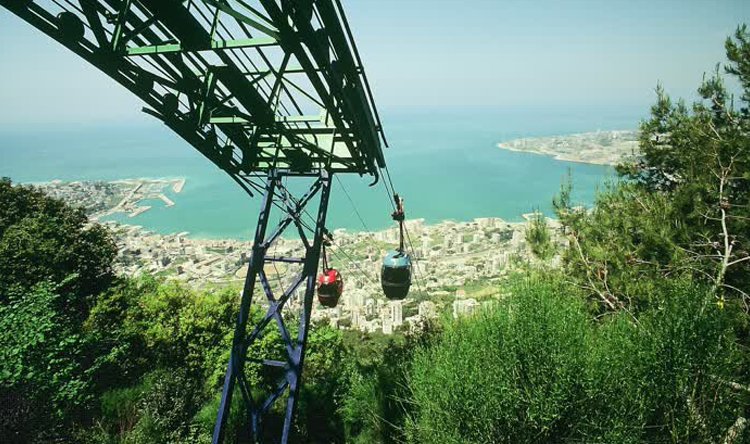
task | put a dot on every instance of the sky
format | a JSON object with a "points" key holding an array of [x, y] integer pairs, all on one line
{"points": [[467, 55]]}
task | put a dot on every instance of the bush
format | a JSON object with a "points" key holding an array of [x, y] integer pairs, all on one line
{"points": [[42, 366], [658, 380], [508, 375], [120, 409], [377, 399], [43, 239], [538, 236], [144, 324], [167, 407], [537, 369]]}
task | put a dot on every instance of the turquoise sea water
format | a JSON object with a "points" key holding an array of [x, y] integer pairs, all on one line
{"points": [[446, 165]]}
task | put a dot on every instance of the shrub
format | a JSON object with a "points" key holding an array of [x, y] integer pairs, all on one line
{"points": [[537, 369], [43, 239], [538, 236], [42, 366]]}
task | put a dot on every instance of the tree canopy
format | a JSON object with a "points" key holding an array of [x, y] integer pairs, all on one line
{"points": [[44, 240]]}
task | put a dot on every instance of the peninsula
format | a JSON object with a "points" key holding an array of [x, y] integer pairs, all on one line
{"points": [[600, 147]]}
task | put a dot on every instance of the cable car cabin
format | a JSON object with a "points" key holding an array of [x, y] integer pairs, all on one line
{"points": [[330, 287], [395, 276]]}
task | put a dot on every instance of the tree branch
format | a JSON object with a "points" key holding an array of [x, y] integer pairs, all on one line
{"points": [[735, 431]]}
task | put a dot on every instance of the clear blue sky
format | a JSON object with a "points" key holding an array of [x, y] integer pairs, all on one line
{"points": [[455, 55]]}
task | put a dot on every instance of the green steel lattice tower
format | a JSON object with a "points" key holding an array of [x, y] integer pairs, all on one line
{"points": [[271, 91]]}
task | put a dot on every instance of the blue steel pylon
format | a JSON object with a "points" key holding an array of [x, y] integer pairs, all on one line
{"points": [[276, 193]]}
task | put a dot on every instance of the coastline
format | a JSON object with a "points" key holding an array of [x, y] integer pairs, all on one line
{"points": [[556, 156], [460, 263], [101, 199], [607, 148], [120, 203]]}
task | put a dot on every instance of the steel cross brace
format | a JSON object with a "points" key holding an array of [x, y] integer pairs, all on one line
{"points": [[275, 193]]}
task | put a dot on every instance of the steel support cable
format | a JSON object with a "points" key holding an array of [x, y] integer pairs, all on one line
{"points": [[353, 262], [406, 228], [338, 247], [324, 256], [350, 263], [333, 241], [419, 276], [388, 193], [390, 180], [340, 250], [260, 189], [417, 267], [416, 260], [341, 184], [275, 269]]}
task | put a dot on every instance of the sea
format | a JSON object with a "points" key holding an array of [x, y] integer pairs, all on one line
{"points": [[445, 164]]}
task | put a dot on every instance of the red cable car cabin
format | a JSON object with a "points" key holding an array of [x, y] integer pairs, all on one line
{"points": [[330, 287]]}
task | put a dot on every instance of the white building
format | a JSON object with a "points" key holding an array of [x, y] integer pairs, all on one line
{"points": [[397, 315], [385, 315], [370, 307], [518, 239], [464, 307], [478, 237]]}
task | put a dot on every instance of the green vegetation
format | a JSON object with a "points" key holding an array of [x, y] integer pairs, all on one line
{"points": [[685, 210], [542, 370], [642, 336], [538, 236], [41, 239]]}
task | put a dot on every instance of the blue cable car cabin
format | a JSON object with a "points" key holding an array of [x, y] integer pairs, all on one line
{"points": [[395, 275]]}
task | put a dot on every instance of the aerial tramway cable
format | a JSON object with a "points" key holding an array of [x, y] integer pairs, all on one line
{"points": [[396, 274], [339, 248], [392, 191], [356, 211]]}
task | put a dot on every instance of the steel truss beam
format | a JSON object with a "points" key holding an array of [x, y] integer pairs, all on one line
{"points": [[286, 90], [291, 364]]}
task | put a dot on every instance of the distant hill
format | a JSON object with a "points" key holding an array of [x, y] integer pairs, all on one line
{"points": [[600, 147]]}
